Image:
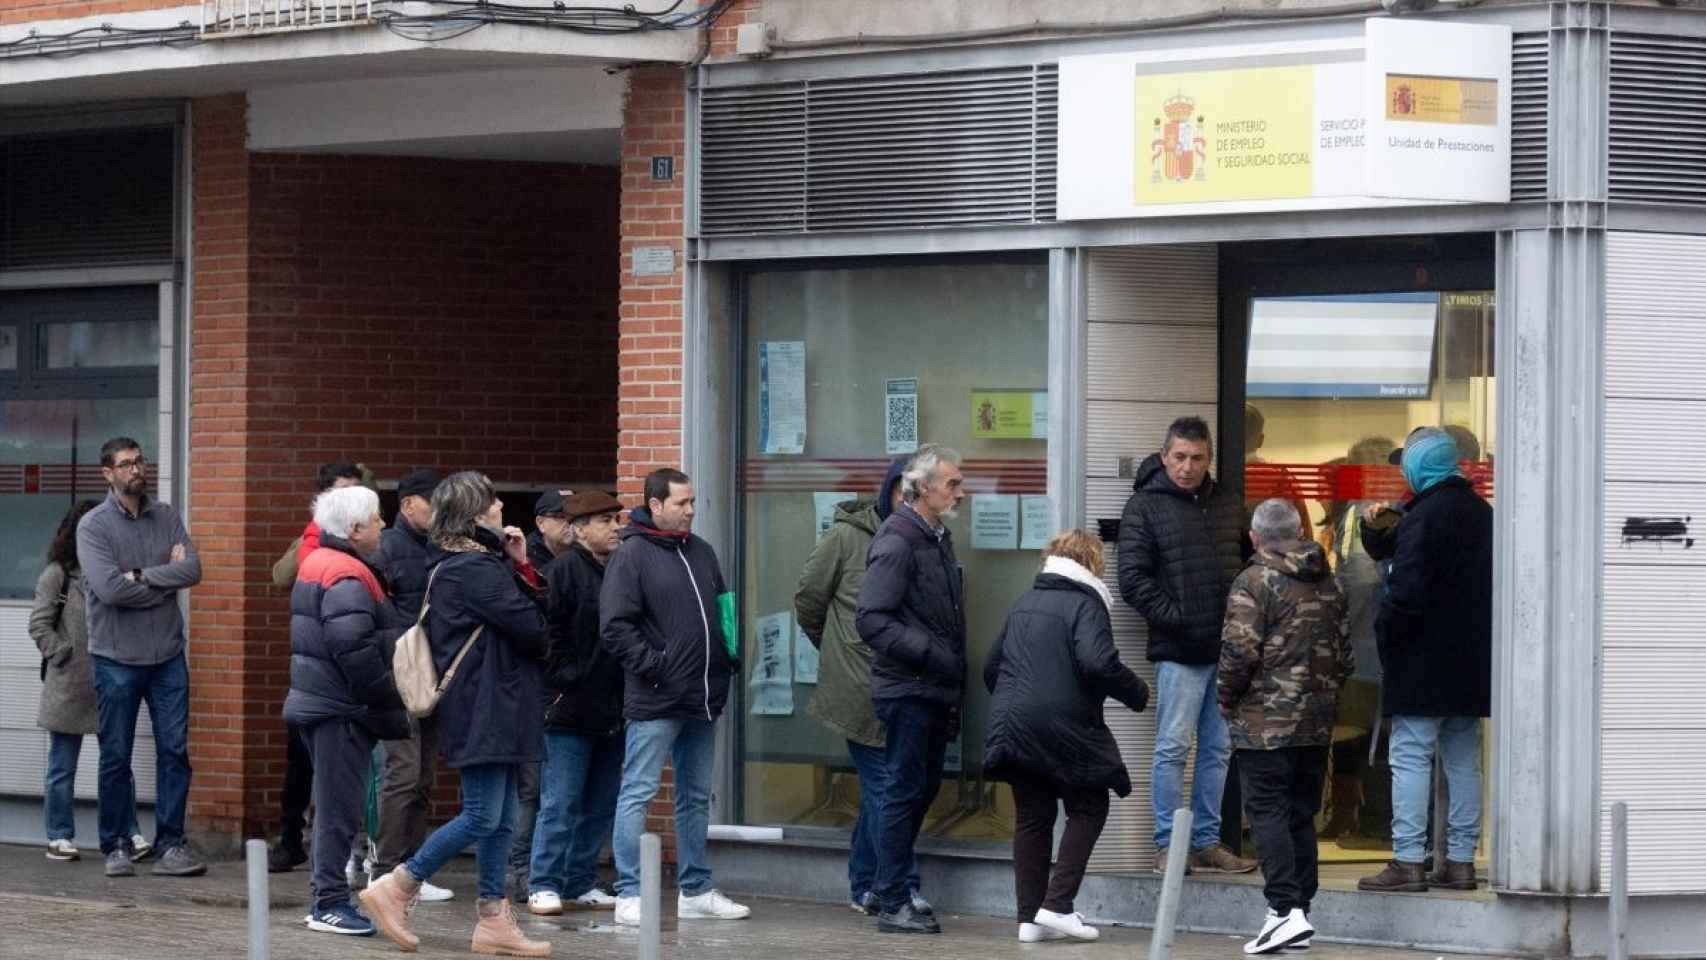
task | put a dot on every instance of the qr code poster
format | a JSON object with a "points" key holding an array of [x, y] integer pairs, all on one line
{"points": [[900, 417]]}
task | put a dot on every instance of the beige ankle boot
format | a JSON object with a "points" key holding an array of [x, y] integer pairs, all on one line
{"points": [[497, 933], [388, 901]]}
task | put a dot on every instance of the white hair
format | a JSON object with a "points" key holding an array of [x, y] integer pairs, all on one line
{"points": [[1276, 521], [341, 510], [923, 468]]}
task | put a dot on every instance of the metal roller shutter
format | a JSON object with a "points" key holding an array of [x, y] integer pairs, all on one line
{"points": [[87, 197]]}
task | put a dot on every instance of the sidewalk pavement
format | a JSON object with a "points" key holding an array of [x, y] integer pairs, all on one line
{"points": [[71, 911]]}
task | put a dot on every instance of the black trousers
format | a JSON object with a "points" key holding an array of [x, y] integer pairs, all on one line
{"points": [[341, 752], [298, 788], [1282, 794], [917, 743], [1033, 841]]}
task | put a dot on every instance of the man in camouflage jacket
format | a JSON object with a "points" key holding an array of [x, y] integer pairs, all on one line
{"points": [[1285, 652]]}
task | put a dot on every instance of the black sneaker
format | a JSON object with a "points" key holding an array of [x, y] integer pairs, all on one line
{"points": [[341, 918], [907, 920], [118, 862], [282, 858], [178, 861]]}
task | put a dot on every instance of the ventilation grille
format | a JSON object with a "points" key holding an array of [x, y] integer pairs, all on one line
{"points": [[1658, 119], [87, 198], [912, 150], [1529, 104]]}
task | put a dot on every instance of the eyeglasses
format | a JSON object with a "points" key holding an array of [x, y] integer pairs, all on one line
{"points": [[126, 466]]}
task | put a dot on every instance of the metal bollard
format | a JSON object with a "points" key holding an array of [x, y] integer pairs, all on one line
{"points": [[1619, 906], [651, 895], [1172, 884], [260, 901]]}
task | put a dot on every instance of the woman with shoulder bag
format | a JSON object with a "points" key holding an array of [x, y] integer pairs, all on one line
{"points": [[489, 711], [1052, 667]]}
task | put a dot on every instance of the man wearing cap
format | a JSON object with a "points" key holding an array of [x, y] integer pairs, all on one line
{"points": [[583, 718], [405, 790], [552, 533], [1435, 631]]}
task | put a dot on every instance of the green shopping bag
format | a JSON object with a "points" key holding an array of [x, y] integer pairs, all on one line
{"points": [[731, 623]]}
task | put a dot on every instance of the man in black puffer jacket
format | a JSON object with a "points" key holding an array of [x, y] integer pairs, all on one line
{"points": [[342, 630], [911, 611], [1181, 545], [659, 613]]}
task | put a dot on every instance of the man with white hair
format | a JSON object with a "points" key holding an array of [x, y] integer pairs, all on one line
{"points": [[911, 611], [1284, 653], [342, 627]]}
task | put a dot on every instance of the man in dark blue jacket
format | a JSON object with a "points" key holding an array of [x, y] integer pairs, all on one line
{"points": [[659, 613], [911, 611], [342, 696]]}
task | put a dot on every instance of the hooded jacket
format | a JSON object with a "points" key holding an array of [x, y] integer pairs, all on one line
{"points": [[583, 680], [1179, 551], [342, 632], [911, 611], [824, 604], [1285, 650], [1052, 667], [60, 627], [658, 614], [405, 550]]}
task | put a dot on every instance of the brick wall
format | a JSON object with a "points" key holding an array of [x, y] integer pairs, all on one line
{"points": [[22, 11], [403, 312]]}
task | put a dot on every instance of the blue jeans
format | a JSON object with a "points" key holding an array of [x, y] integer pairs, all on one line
{"points": [[862, 852], [577, 806], [1185, 707], [916, 745], [120, 691], [690, 745], [488, 811], [1412, 754], [59, 798]]}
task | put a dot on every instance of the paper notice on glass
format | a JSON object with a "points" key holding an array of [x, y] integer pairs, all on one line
{"points": [[900, 416], [782, 396], [772, 682], [994, 521], [823, 509], [1036, 522], [805, 657]]}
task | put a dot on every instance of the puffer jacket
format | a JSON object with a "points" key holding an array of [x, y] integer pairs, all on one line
{"points": [[68, 702], [911, 611], [342, 633], [405, 565], [490, 711], [658, 614], [1178, 554], [824, 605], [1052, 667], [583, 680], [1285, 650]]}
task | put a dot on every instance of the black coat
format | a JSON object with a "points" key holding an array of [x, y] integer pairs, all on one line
{"points": [[405, 565], [1179, 553], [911, 611], [1052, 667], [342, 634], [658, 614], [490, 711], [583, 680], [1435, 627]]}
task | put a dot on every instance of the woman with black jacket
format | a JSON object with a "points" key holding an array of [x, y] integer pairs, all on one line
{"points": [[1052, 667], [489, 717]]}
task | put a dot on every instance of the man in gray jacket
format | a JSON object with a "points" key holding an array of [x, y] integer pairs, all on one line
{"points": [[136, 556]]}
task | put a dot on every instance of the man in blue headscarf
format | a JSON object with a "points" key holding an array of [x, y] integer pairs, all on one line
{"points": [[1435, 631]]}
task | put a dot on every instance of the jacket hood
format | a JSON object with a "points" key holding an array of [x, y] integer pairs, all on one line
{"points": [[885, 493], [861, 514], [641, 524], [1300, 560], [1062, 573], [1152, 477]]}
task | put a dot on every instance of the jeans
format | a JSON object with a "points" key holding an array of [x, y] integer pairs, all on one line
{"points": [[1412, 750], [1282, 794], [526, 816], [690, 745], [120, 690], [405, 794], [917, 744], [577, 807], [862, 852], [59, 796], [340, 751], [1185, 707], [1033, 842], [488, 811]]}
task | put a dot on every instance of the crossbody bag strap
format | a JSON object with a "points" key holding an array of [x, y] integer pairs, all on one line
{"points": [[444, 681]]}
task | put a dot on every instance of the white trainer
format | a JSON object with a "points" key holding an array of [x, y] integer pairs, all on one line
{"points": [[1279, 932], [62, 849], [594, 899], [545, 903], [710, 905], [628, 911], [140, 848], [1070, 924], [1036, 933], [433, 893]]}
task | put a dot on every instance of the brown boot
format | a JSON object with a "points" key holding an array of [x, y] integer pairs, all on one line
{"points": [[1215, 858], [1161, 863], [1398, 877], [1455, 876], [497, 933], [388, 901]]}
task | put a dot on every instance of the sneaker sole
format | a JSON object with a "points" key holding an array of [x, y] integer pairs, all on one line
{"points": [[544, 911], [194, 871], [904, 930], [129, 872], [1400, 888], [64, 857], [712, 916], [319, 927]]}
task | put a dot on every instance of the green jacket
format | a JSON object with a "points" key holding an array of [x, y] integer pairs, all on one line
{"points": [[823, 604]]}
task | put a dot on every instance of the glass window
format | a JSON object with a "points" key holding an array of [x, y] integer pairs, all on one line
{"points": [[881, 356], [80, 344], [9, 348]]}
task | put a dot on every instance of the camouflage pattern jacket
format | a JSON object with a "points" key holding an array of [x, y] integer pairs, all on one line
{"points": [[1285, 650]]}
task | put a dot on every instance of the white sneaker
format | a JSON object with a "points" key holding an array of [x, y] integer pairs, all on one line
{"points": [[1035, 933], [1069, 924], [628, 911], [710, 905], [62, 849], [1280, 932], [140, 848], [594, 899], [432, 893], [545, 903]]}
